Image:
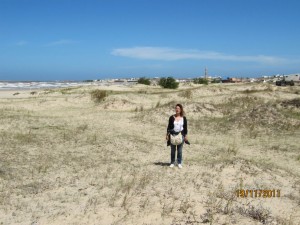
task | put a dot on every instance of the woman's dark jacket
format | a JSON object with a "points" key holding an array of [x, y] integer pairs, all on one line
{"points": [[171, 127]]}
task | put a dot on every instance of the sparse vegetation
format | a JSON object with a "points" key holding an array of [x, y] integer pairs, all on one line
{"points": [[200, 81], [215, 81], [187, 94], [157, 104], [56, 159], [257, 213], [99, 95], [293, 102]]}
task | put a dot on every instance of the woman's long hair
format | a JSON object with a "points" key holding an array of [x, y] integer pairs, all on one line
{"points": [[182, 113]]}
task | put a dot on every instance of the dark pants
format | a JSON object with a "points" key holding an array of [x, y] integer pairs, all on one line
{"points": [[179, 153]]}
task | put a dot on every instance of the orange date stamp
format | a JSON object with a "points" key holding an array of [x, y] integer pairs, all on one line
{"points": [[257, 193]]}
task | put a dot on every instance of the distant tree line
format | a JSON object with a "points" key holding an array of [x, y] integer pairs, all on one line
{"points": [[200, 81], [171, 83], [165, 82]]}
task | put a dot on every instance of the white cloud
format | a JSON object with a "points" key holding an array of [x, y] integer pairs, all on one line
{"points": [[169, 54], [62, 42]]}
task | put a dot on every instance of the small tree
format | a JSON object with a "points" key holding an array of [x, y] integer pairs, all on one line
{"points": [[144, 80], [200, 81], [168, 82]]}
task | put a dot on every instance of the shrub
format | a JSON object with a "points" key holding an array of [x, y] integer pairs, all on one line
{"points": [[142, 91], [144, 80], [259, 213], [168, 82], [200, 81], [292, 83], [216, 81], [98, 95]]}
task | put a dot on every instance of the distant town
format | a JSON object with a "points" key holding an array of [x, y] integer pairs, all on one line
{"points": [[211, 79]]}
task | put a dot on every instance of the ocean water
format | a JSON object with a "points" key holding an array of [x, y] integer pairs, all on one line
{"points": [[28, 85]]}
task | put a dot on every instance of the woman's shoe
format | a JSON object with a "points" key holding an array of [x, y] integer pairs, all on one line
{"points": [[179, 166], [172, 165]]}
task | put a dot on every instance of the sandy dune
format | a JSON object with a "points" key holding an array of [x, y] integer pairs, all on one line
{"points": [[66, 159]]}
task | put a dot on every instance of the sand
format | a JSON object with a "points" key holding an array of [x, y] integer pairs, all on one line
{"points": [[66, 159]]}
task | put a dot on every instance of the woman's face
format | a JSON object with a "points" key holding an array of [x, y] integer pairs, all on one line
{"points": [[177, 110]]}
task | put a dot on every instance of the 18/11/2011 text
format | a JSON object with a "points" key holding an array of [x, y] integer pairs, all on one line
{"points": [[244, 193]]}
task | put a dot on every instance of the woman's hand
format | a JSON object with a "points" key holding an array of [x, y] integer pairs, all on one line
{"points": [[185, 138], [167, 137]]}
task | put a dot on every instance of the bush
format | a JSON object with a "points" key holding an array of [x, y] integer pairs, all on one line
{"points": [[144, 80], [98, 95], [214, 81], [200, 81], [168, 82], [292, 83]]}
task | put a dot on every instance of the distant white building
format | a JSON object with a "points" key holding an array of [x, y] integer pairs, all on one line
{"points": [[292, 77]]}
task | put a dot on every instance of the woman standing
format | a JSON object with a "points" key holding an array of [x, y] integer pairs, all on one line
{"points": [[177, 123]]}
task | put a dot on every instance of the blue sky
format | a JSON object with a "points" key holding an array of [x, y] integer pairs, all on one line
{"points": [[93, 39]]}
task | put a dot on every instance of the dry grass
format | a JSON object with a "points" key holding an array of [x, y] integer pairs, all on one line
{"points": [[292, 103], [187, 94], [75, 162], [98, 95]]}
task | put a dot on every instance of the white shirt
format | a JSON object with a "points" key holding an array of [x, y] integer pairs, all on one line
{"points": [[178, 125]]}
